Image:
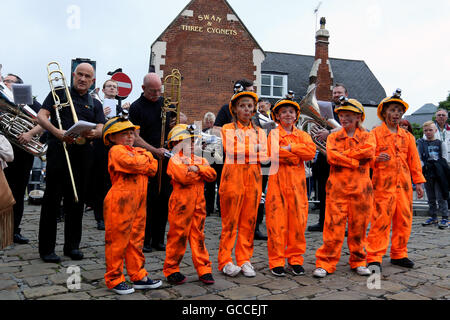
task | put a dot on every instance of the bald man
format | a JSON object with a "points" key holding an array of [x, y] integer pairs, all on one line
{"points": [[58, 183], [146, 112]]}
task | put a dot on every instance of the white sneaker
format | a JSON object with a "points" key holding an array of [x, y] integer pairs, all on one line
{"points": [[363, 271], [320, 273], [231, 270], [248, 270]]}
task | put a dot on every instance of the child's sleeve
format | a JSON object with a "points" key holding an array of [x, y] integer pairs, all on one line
{"points": [[414, 164], [206, 171], [364, 151], [179, 173], [335, 156], [306, 149], [126, 161], [277, 153]]}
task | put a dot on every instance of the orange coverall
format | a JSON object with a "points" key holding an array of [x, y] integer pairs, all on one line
{"points": [[187, 213], [124, 210], [393, 193], [349, 196], [240, 190], [287, 199]]}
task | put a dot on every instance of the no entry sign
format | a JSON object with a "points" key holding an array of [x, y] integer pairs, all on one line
{"points": [[124, 83]]}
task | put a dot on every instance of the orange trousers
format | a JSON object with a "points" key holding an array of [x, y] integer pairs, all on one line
{"points": [[240, 194], [349, 197], [187, 214], [124, 210], [286, 199], [393, 193]]}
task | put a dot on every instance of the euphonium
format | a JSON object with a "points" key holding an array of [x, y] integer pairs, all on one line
{"points": [[14, 122], [310, 107]]}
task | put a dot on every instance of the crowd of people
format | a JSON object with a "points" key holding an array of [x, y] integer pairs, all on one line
{"points": [[136, 185]]}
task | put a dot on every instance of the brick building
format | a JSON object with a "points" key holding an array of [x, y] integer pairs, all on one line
{"points": [[212, 48]]}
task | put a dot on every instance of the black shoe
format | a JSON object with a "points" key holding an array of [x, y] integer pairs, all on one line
{"points": [[278, 271], [147, 248], [207, 278], [74, 254], [405, 262], [176, 278], [297, 269], [315, 228], [51, 258], [259, 235], [18, 238], [101, 225], [374, 266], [159, 247]]}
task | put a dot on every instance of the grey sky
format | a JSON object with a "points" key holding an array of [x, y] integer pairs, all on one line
{"points": [[405, 43]]}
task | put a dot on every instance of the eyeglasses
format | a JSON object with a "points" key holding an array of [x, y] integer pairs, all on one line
{"points": [[8, 81]]}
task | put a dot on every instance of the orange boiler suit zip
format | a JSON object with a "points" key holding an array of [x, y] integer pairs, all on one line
{"points": [[287, 199], [187, 213], [349, 195], [124, 210], [240, 190], [393, 193]]}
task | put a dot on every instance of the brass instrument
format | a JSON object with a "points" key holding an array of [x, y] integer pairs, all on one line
{"points": [[14, 122], [310, 108], [172, 96], [57, 77]]}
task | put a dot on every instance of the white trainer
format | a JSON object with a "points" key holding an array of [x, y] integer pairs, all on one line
{"points": [[231, 270], [320, 273], [363, 271], [248, 270]]}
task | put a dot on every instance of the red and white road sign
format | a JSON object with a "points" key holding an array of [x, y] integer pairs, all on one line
{"points": [[124, 83]]}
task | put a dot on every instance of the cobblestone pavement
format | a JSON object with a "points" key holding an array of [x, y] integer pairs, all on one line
{"points": [[24, 276]]}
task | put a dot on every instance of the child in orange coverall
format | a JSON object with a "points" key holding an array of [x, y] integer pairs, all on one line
{"points": [[396, 162], [187, 206], [245, 147], [349, 191], [287, 200], [125, 207]]}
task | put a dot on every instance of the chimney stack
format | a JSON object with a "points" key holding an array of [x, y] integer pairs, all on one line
{"points": [[321, 73]]}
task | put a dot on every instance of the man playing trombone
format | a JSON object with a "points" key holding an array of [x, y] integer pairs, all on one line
{"points": [[58, 181]]}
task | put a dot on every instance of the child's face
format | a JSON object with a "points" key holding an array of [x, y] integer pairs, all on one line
{"points": [[429, 132], [244, 109], [404, 126], [393, 114], [125, 138], [349, 119], [287, 115]]}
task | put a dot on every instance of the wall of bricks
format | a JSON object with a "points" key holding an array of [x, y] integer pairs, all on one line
{"points": [[211, 52], [324, 79]]}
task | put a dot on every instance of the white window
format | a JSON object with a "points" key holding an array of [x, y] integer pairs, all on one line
{"points": [[274, 85]]}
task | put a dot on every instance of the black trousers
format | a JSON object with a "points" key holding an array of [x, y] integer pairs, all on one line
{"points": [[262, 206], [321, 170], [18, 174], [59, 186], [157, 208], [210, 189], [100, 179]]}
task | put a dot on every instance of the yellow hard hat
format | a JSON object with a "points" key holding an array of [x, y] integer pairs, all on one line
{"points": [[181, 132], [115, 125], [395, 98], [351, 105], [238, 95], [285, 103]]}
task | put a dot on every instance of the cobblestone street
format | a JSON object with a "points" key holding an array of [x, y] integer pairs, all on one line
{"points": [[24, 276]]}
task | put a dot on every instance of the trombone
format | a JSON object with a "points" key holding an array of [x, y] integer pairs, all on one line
{"points": [[55, 77], [172, 95]]}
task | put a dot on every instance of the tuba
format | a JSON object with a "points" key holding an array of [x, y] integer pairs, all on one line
{"points": [[14, 122], [310, 108], [172, 96]]}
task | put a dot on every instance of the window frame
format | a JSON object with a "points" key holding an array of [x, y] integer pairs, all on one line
{"points": [[284, 86]]}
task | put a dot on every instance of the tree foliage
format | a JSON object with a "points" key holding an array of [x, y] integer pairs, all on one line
{"points": [[445, 104]]}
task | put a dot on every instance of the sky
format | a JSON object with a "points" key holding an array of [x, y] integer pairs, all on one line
{"points": [[404, 43]]}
